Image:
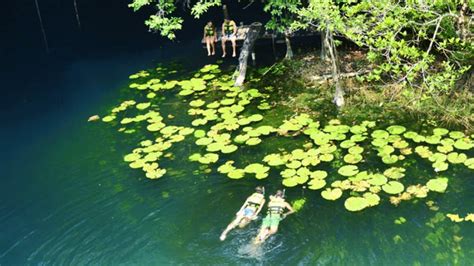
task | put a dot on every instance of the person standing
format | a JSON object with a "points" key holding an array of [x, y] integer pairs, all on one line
{"points": [[229, 33], [210, 36]]}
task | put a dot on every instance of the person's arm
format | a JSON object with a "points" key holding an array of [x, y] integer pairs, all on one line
{"points": [[290, 209], [215, 34], [259, 209], [235, 28], [243, 206], [222, 30]]}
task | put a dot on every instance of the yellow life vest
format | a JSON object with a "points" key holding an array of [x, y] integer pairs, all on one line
{"points": [[276, 205], [255, 199]]}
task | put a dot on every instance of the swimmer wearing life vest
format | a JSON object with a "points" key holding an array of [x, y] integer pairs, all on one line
{"points": [[229, 33], [248, 212], [276, 212], [210, 36]]}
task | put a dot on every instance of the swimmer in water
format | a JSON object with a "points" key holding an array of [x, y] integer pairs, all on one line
{"points": [[276, 207], [248, 212]]}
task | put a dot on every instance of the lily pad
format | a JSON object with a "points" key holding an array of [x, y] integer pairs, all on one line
{"points": [[354, 204], [464, 144], [469, 163], [377, 180], [253, 141], [352, 158], [229, 148], [348, 170], [456, 134], [331, 194], [236, 174], [290, 182], [440, 166], [393, 187], [438, 184], [380, 134], [372, 199], [395, 172], [319, 174], [440, 131], [396, 130], [456, 158], [131, 157]]}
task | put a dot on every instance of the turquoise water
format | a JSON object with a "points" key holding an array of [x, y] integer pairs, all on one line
{"points": [[67, 197]]}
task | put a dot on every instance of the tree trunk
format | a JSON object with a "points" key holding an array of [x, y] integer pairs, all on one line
{"points": [[323, 45], [331, 48], [45, 39], [462, 19], [289, 51], [252, 35]]}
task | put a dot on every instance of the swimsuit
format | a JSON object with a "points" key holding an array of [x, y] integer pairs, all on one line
{"points": [[275, 209], [228, 30], [209, 31]]}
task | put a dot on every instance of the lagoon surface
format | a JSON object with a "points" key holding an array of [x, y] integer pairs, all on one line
{"points": [[67, 196]]}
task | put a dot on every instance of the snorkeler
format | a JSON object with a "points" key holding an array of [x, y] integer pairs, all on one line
{"points": [[210, 36], [229, 33], [276, 207], [248, 212]]}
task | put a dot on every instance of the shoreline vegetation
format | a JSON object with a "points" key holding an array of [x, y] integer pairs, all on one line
{"points": [[366, 100]]}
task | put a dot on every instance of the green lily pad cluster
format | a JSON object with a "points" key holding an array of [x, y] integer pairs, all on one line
{"points": [[224, 122]]}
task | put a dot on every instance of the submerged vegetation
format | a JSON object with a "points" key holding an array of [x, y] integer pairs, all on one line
{"points": [[363, 161]]}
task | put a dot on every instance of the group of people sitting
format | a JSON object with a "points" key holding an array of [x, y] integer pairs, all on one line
{"points": [[252, 207], [229, 33]]}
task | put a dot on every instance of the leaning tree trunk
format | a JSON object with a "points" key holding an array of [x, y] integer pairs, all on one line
{"points": [[331, 48], [252, 35], [76, 11], [289, 51]]}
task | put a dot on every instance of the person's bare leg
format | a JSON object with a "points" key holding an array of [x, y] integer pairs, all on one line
{"points": [[261, 235], [231, 226], [208, 46], [234, 47], [213, 47], [223, 46]]}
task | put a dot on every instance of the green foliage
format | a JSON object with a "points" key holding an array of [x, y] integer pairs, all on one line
{"points": [[283, 14]]}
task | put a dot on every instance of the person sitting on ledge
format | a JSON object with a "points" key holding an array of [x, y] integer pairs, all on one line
{"points": [[210, 36], [229, 33]]}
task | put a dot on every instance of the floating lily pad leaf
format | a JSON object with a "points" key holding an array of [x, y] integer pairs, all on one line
{"points": [[131, 157], [438, 184], [395, 172], [327, 148], [454, 217], [434, 139], [348, 170], [143, 106], [379, 142], [352, 158], [197, 103], [208, 76], [469, 217], [236, 174], [186, 131], [456, 158], [253, 141], [241, 138], [357, 129], [301, 179], [255, 117], [396, 130], [393, 187], [204, 141], [423, 151], [456, 134], [290, 182], [445, 148], [469, 163], [440, 166], [354, 204], [316, 184], [394, 138], [436, 157], [440, 131], [390, 159], [418, 191], [199, 122], [347, 144], [176, 138], [326, 157], [331, 194], [265, 130], [108, 118], [261, 175], [372, 199], [293, 164], [377, 180], [229, 149], [356, 150], [256, 168], [464, 144], [410, 135], [400, 144], [155, 127], [137, 164], [227, 101], [447, 142], [274, 160], [213, 105], [209, 158], [200, 134], [186, 92], [358, 138], [380, 134], [287, 173], [226, 168], [319, 174], [385, 150], [155, 174], [194, 157], [213, 147]]}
